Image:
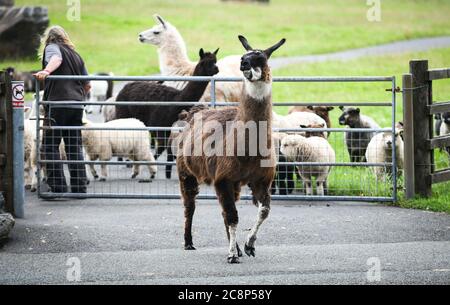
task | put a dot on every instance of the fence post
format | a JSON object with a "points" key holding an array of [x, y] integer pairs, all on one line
{"points": [[408, 135], [421, 99], [6, 138], [18, 97]]}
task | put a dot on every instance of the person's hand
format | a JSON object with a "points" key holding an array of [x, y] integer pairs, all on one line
{"points": [[41, 75]]}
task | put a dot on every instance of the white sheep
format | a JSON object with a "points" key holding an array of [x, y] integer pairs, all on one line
{"points": [[297, 148], [298, 119], [445, 129], [379, 150], [104, 144], [30, 157], [109, 111]]}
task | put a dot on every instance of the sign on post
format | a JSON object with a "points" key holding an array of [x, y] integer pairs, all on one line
{"points": [[18, 94]]}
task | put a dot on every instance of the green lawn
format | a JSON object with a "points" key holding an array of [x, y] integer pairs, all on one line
{"points": [[357, 181], [106, 36]]}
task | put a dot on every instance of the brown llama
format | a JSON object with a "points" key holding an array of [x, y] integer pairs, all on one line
{"points": [[229, 171]]}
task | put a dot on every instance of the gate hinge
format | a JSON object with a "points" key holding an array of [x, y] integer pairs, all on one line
{"points": [[397, 90]]}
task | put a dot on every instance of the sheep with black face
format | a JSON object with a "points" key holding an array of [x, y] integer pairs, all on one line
{"points": [[357, 141]]}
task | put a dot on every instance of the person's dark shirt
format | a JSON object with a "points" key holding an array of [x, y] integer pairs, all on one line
{"points": [[65, 90]]}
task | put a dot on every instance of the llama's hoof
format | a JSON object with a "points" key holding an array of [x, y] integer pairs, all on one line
{"points": [[168, 175], [153, 176], [144, 180], [189, 247], [102, 179], [238, 250], [33, 189], [95, 177], [250, 251], [233, 259], [133, 176], [27, 186]]}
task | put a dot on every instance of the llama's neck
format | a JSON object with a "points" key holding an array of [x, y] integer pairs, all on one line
{"points": [[173, 58], [193, 91], [256, 102]]}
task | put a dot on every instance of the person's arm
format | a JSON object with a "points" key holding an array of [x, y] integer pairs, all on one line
{"points": [[53, 58]]}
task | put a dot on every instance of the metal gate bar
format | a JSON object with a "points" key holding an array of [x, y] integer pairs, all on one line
{"points": [[213, 103]]}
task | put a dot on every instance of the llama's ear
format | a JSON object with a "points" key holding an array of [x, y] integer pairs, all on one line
{"points": [[341, 107], [201, 53], [303, 126], [216, 51], [329, 108], [245, 43], [273, 48], [310, 107], [161, 20]]}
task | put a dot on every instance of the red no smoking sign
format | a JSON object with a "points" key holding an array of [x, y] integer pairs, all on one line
{"points": [[18, 94]]}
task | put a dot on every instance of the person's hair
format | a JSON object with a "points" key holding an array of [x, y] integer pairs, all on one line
{"points": [[56, 34]]}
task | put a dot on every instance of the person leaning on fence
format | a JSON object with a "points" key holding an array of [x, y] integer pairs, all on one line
{"points": [[60, 58]]}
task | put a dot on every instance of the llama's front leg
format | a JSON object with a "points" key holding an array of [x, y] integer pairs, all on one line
{"points": [[226, 193], [189, 190], [263, 213]]}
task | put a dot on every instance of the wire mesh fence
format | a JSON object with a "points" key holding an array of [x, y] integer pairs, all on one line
{"points": [[126, 159]]}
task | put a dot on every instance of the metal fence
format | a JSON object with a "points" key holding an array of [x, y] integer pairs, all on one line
{"points": [[347, 181]]}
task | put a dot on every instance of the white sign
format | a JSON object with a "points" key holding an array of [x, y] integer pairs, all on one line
{"points": [[18, 94]]}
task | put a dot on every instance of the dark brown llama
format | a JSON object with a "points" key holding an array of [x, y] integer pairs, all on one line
{"points": [[229, 168], [165, 116]]}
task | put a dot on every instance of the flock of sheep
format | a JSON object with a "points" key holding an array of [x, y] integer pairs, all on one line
{"points": [[135, 145]]}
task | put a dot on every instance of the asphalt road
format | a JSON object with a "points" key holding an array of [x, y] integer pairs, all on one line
{"points": [[141, 241]]}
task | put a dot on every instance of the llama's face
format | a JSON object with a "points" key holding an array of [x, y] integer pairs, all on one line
{"points": [[157, 34], [207, 63], [349, 116], [254, 63]]}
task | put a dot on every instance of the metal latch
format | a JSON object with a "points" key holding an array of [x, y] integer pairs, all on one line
{"points": [[397, 90]]}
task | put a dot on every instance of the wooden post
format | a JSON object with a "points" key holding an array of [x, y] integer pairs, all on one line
{"points": [[6, 138], [422, 131], [408, 136]]}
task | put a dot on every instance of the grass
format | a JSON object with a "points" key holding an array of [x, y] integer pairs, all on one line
{"points": [[106, 36], [360, 181]]}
